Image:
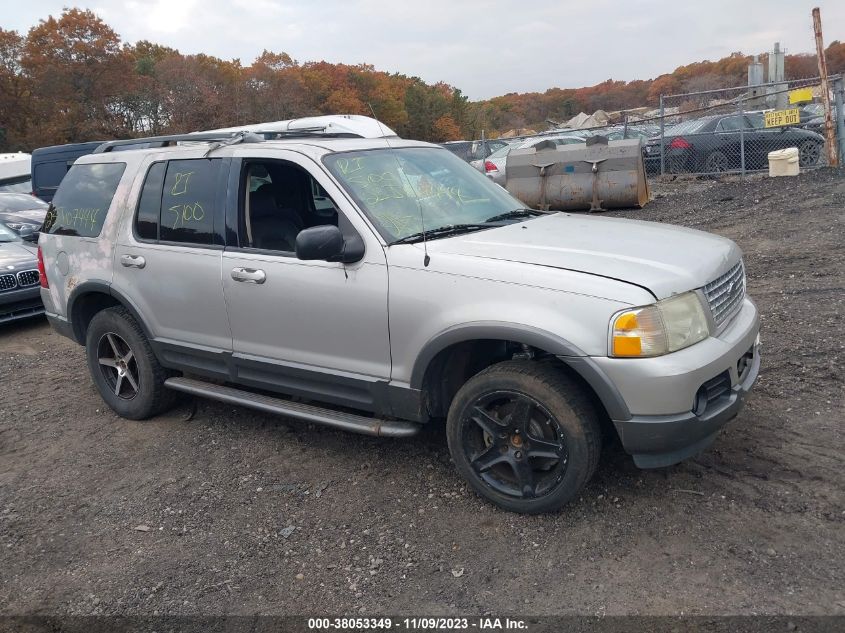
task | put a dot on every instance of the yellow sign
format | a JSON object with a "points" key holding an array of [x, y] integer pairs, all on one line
{"points": [[779, 118], [800, 95]]}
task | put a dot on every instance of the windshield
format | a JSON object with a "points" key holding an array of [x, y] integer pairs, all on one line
{"points": [[402, 189], [12, 202], [6, 235]]}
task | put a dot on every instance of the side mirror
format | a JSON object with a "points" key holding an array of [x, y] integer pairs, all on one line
{"points": [[326, 242], [319, 242]]}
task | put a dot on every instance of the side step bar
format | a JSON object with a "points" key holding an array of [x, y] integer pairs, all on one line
{"points": [[309, 413]]}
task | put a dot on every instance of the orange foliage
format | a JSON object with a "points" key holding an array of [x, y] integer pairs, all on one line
{"points": [[72, 79]]}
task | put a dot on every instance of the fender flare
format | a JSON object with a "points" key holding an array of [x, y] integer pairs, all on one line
{"points": [[566, 351], [100, 287]]}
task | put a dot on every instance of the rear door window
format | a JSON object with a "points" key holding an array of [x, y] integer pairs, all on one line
{"points": [[731, 124], [83, 199], [177, 202], [149, 206]]}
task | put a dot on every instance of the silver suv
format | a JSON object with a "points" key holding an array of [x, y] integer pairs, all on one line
{"points": [[375, 284]]}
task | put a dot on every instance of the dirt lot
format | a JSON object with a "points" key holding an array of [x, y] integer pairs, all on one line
{"points": [[246, 513]]}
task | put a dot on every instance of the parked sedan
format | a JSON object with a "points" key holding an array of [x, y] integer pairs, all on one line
{"points": [[23, 214], [713, 144], [495, 166], [20, 291]]}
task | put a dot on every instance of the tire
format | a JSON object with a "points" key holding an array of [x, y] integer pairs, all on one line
{"points": [[676, 164], [525, 436], [124, 369], [716, 162], [809, 153]]}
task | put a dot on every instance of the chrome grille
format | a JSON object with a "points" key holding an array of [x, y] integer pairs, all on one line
{"points": [[27, 278], [725, 294], [7, 282]]}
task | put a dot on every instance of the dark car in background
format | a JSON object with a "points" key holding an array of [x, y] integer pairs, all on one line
{"points": [[23, 214], [50, 164], [713, 144], [812, 117], [20, 290]]}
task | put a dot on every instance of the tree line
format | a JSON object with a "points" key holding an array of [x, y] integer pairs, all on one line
{"points": [[71, 78]]}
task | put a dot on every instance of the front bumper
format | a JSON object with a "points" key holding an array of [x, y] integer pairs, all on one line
{"points": [[678, 402], [20, 304]]}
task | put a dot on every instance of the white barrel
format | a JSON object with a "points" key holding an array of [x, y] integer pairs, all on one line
{"points": [[784, 162]]}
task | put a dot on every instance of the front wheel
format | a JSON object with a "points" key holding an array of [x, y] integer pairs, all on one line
{"points": [[524, 436], [123, 366], [809, 153]]}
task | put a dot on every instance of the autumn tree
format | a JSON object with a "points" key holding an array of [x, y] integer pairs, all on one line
{"points": [[15, 93], [80, 69]]}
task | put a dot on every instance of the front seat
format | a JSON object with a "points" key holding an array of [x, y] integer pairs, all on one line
{"points": [[273, 228]]}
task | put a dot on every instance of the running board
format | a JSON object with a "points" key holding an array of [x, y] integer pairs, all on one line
{"points": [[309, 413]]}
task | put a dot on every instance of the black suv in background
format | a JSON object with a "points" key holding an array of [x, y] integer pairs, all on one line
{"points": [[50, 164]]}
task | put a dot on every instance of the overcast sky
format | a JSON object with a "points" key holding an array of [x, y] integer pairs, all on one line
{"points": [[485, 48]]}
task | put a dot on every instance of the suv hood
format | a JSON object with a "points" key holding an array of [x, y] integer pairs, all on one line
{"points": [[662, 258]]}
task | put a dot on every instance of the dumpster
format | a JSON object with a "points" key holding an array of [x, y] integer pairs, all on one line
{"points": [[594, 176]]}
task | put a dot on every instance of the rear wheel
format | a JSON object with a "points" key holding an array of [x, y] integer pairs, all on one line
{"points": [[524, 436], [716, 162], [809, 153], [124, 369]]}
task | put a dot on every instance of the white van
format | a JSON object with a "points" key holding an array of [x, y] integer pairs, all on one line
{"points": [[15, 172]]}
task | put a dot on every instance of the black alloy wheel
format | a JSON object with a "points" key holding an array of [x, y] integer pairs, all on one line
{"points": [[525, 435], [515, 445], [809, 153]]}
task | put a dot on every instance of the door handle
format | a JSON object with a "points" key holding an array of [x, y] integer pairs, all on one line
{"points": [[133, 261], [249, 275]]}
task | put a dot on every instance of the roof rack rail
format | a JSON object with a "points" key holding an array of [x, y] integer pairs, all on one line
{"points": [[172, 139], [322, 132], [327, 126]]}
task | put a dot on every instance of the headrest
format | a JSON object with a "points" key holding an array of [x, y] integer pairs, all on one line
{"points": [[262, 202]]}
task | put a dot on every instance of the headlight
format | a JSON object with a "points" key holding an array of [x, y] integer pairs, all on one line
{"points": [[663, 327], [22, 226]]}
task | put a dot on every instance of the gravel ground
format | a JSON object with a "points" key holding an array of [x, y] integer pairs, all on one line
{"points": [[235, 512]]}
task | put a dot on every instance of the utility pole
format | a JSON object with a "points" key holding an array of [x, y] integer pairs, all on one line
{"points": [[830, 142]]}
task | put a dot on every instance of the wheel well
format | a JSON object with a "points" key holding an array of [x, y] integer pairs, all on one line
{"points": [[453, 366], [83, 310]]}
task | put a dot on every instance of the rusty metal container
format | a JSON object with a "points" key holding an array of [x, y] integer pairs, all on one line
{"points": [[594, 176]]}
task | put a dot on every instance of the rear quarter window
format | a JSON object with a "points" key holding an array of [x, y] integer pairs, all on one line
{"points": [[80, 205]]}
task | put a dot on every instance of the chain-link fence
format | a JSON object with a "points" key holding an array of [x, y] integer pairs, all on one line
{"points": [[729, 130], [735, 129]]}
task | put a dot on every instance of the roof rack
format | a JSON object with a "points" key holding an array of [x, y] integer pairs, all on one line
{"points": [[327, 126], [224, 138]]}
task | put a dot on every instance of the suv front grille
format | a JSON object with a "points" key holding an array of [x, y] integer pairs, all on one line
{"points": [[7, 282], [725, 294], [27, 278]]}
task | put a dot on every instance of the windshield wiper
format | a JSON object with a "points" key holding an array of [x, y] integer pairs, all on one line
{"points": [[443, 231], [516, 213]]}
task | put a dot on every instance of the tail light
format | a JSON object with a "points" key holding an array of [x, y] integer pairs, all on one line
{"points": [[42, 273], [490, 166], [679, 143]]}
